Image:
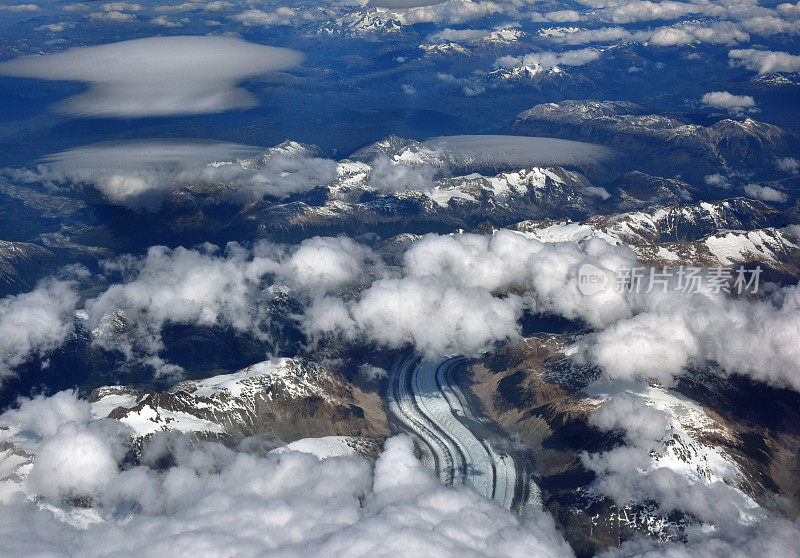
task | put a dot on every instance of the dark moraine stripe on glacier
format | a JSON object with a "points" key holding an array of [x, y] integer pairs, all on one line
{"points": [[425, 402]]}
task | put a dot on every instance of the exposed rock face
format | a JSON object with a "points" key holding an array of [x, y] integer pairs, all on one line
{"points": [[669, 160], [21, 264], [367, 23], [660, 143], [718, 430], [354, 206], [641, 190], [286, 399], [731, 232]]}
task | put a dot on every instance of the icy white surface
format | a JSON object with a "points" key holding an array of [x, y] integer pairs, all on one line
{"points": [[327, 446]]}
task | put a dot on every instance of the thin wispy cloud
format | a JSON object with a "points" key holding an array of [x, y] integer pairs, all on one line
{"points": [[519, 151]]}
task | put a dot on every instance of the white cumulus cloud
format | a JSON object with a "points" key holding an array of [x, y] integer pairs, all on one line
{"points": [[212, 500], [765, 193], [736, 104], [765, 61]]}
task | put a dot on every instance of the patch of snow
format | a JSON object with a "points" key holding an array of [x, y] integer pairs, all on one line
{"points": [[680, 449], [664, 254], [327, 446], [103, 406], [148, 420], [557, 31], [443, 196]]}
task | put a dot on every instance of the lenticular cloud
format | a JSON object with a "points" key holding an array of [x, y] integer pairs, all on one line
{"points": [[157, 76], [149, 153], [403, 4], [518, 150], [140, 173]]}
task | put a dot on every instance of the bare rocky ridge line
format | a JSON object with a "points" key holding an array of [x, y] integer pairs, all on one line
{"points": [[285, 399]]}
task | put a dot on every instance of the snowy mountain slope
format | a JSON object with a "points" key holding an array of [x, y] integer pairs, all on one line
{"points": [[367, 23], [446, 203], [20, 265], [709, 442], [332, 446], [492, 42], [726, 233], [660, 143], [289, 398], [691, 446]]}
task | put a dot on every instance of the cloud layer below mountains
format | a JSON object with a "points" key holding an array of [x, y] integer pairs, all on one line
{"points": [[634, 473], [157, 76], [643, 471], [457, 294], [76, 490], [188, 498]]}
